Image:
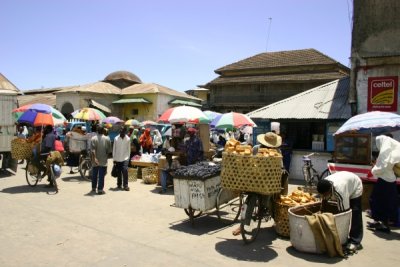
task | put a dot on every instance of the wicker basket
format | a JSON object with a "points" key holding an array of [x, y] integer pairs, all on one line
{"points": [[281, 212], [251, 173], [132, 174], [149, 175], [20, 149]]}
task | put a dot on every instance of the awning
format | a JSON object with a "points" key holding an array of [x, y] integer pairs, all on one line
{"points": [[100, 106], [132, 100], [185, 103]]}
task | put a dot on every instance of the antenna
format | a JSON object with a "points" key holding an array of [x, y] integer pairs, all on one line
{"points": [[268, 32]]}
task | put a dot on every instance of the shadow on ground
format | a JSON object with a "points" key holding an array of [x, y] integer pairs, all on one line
{"points": [[21, 189], [317, 258], [258, 251]]}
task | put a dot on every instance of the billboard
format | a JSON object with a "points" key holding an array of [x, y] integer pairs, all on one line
{"points": [[382, 93]]}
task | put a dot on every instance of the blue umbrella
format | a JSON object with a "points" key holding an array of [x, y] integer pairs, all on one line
{"points": [[374, 122]]}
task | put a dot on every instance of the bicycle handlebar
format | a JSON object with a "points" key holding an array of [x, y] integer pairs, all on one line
{"points": [[310, 155]]}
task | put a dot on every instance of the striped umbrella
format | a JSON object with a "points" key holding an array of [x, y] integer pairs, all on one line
{"points": [[375, 122], [132, 122], [184, 114], [88, 114], [39, 114], [232, 120], [211, 114]]}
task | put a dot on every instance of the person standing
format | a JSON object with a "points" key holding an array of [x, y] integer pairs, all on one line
{"points": [[346, 189], [121, 156], [384, 198], [157, 141], [145, 141], [194, 147], [100, 149]]}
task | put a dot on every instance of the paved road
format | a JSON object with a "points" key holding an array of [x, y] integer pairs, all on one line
{"points": [[140, 228]]}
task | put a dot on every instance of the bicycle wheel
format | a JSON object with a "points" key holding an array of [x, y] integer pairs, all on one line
{"points": [[251, 218], [32, 176], [85, 167], [224, 200]]}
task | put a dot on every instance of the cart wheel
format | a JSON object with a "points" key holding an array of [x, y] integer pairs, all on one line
{"points": [[234, 205], [251, 218], [31, 178], [192, 214]]}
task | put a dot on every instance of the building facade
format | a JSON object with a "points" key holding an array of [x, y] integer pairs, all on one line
{"points": [[269, 77]]}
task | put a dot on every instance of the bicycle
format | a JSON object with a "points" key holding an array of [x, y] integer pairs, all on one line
{"points": [[255, 208], [85, 165], [311, 175], [34, 175]]}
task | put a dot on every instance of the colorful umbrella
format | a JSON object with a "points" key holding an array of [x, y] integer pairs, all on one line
{"points": [[88, 114], [375, 122], [111, 120], [211, 114], [184, 114], [39, 114], [132, 122], [145, 123], [232, 120]]}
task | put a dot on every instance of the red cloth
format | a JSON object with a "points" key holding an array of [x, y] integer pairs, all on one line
{"points": [[58, 146]]}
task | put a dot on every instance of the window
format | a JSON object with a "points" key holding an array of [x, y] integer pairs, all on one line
{"points": [[135, 111]]}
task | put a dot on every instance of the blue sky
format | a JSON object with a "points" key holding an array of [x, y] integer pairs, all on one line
{"points": [[175, 43]]}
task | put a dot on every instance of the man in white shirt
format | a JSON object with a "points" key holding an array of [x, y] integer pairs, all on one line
{"points": [[346, 189], [121, 154]]}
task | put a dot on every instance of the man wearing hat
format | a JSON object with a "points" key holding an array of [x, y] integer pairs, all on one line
{"points": [[194, 147]]}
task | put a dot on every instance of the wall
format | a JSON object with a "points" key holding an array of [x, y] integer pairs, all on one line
{"points": [[319, 161]]}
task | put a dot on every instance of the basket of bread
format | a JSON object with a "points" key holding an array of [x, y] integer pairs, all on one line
{"points": [[242, 171], [282, 205]]}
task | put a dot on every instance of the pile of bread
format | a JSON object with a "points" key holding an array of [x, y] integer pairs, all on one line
{"points": [[234, 146], [297, 198]]}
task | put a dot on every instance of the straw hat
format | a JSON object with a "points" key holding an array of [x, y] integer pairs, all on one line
{"points": [[269, 139]]}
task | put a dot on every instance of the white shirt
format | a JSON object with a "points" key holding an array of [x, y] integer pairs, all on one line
{"points": [[347, 186], [389, 155], [121, 148]]}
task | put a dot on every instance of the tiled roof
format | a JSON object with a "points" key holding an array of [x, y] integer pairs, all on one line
{"points": [[328, 101], [328, 76], [6, 85], [97, 87], [152, 88], [301, 57], [48, 99]]}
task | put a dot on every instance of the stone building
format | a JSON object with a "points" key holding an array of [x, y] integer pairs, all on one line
{"points": [[375, 56], [269, 77]]}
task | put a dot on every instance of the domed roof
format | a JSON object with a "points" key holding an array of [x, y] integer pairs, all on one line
{"points": [[122, 75]]}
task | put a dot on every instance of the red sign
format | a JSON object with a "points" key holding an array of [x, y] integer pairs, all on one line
{"points": [[382, 93]]}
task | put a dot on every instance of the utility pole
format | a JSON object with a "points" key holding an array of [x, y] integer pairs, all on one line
{"points": [[268, 32]]}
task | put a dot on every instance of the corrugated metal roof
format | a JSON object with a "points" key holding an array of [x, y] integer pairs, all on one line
{"points": [[153, 88], [328, 101], [185, 103], [97, 87], [132, 100]]}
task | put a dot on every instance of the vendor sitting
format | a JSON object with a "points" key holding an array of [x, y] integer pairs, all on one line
{"points": [[165, 174]]}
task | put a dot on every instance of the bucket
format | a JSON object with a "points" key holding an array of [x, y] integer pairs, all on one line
{"points": [[301, 236]]}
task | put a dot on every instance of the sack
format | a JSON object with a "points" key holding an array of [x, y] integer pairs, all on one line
{"points": [[114, 171]]}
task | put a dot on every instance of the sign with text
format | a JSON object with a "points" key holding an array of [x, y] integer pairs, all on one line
{"points": [[382, 93]]}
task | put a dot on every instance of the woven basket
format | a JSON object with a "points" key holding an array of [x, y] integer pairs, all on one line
{"points": [[149, 175], [132, 174], [251, 173], [281, 212], [20, 149]]}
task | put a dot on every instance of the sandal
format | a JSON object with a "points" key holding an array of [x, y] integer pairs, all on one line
{"points": [[236, 232]]}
